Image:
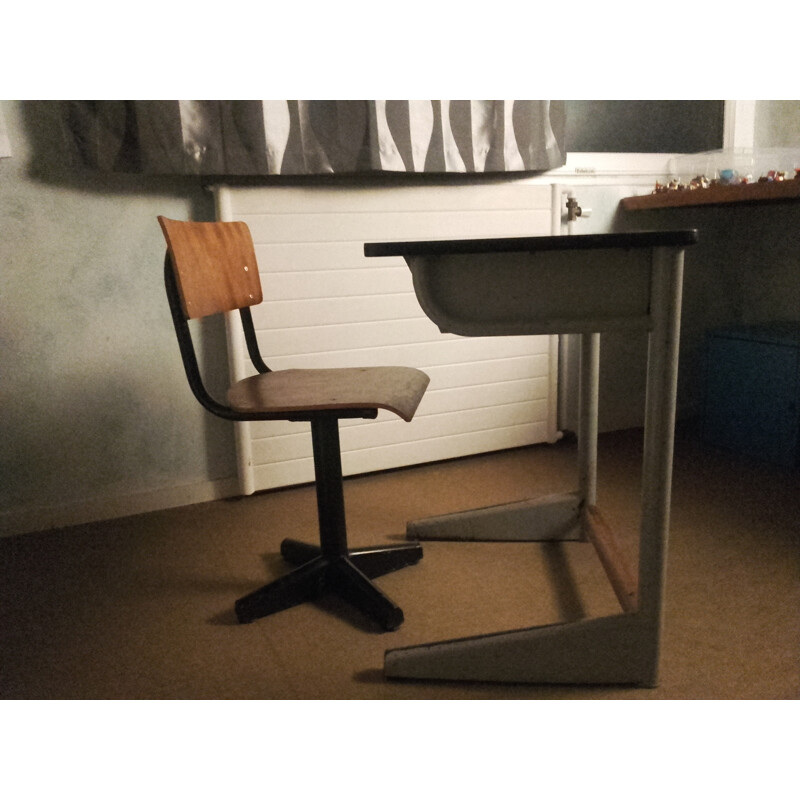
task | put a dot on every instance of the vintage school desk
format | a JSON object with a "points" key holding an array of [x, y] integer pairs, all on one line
{"points": [[583, 284]]}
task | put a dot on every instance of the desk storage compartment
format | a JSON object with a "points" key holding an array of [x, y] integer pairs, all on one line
{"points": [[523, 293], [753, 391]]}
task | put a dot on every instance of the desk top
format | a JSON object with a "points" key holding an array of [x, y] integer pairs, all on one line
{"points": [[593, 241]]}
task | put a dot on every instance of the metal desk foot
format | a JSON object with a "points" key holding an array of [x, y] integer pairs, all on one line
{"points": [[622, 649], [550, 518]]}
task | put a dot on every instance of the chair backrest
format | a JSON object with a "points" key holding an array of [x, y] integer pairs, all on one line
{"points": [[215, 265]]}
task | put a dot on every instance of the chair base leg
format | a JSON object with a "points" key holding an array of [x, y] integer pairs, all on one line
{"points": [[333, 566], [372, 561], [347, 576]]}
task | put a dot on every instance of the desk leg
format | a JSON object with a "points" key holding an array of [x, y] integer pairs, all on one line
{"points": [[588, 411], [659, 436], [548, 518], [603, 650], [551, 518]]}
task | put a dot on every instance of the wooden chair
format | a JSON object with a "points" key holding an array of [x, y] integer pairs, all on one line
{"points": [[211, 268]]}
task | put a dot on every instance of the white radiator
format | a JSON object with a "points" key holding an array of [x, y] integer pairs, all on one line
{"points": [[326, 305]]}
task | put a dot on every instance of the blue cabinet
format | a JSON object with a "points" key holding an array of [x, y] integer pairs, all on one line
{"points": [[752, 403]]}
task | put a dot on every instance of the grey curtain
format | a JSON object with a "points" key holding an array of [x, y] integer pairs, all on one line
{"points": [[311, 137]]}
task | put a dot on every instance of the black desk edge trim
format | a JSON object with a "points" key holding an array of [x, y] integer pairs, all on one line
{"points": [[593, 241]]}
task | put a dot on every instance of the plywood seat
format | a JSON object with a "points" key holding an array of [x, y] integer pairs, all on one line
{"points": [[291, 391]]}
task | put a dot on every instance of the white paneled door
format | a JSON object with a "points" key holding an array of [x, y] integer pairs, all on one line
{"points": [[326, 305]]}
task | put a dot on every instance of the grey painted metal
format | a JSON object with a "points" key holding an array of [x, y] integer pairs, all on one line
{"points": [[623, 648], [522, 293], [554, 517], [598, 650], [660, 402]]}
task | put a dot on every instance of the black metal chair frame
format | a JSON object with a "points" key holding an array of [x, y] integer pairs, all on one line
{"points": [[330, 566]]}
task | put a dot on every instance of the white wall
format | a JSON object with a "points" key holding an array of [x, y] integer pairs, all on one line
{"points": [[623, 354], [745, 269], [96, 418], [777, 123]]}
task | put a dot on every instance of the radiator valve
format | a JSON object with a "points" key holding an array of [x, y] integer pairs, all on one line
{"points": [[574, 210]]}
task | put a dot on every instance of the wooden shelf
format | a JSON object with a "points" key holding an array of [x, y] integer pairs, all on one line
{"points": [[717, 195]]}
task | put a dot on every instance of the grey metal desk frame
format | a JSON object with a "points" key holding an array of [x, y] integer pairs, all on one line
{"points": [[585, 285]]}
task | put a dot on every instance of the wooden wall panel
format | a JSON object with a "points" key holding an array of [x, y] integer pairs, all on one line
{"points": [[326, 305]]}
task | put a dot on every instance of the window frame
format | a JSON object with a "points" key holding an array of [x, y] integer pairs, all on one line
{"points": [[645, 168]]}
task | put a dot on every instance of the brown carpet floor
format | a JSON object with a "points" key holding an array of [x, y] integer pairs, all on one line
{"points": [[141, 607]]}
